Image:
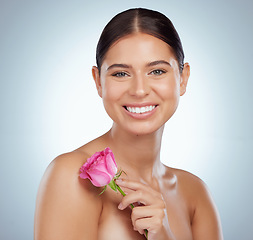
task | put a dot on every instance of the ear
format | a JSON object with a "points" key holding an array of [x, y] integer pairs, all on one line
{"points": [[96, 77], [184, 78]]}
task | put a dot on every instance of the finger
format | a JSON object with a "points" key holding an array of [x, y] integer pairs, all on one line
{"points": [[127, 190], [133, 185], [142, 197], [152, 224], [141, 224], [147, 212], [134, 197]]}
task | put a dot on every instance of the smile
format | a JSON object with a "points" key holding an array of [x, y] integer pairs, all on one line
{"points": [[140, 109]]}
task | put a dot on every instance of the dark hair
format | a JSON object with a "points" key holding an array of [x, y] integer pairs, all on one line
{"points": [[139, 20]]}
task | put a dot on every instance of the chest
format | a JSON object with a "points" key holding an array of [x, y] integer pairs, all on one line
{"points": [[116, 224]]}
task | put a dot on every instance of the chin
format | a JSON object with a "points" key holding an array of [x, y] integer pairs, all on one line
{"points": [[143, 130]]}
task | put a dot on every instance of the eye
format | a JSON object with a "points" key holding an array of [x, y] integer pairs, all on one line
{"points": [[157, 72], [120, 74]]}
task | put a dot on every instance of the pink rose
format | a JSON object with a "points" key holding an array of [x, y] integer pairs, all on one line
{"points": [[100, 168]]}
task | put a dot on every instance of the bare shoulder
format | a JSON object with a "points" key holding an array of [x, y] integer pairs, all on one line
{"points": [[188, 181], [205, 219], [67, 207]]}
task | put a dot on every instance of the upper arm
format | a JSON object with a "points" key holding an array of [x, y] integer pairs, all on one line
{"points": [[67, 207], [205, 223]]}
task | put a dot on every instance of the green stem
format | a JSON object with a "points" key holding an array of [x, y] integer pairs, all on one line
{"points": [[122, 192], [132, 206]]}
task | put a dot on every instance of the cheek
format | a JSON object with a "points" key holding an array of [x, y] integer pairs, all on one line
{"points": [[112, 91], [168, 89]]}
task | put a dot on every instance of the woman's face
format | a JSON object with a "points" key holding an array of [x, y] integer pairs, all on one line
{"points": [[140, 83]]}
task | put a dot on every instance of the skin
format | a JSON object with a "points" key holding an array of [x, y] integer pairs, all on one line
{"points": [[169, 203]]}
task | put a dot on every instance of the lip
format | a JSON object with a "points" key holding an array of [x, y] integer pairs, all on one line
{"points": [[140, 116], [140, 104]]}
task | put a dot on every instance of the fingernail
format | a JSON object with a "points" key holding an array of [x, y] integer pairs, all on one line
{"points": [[119, 180], [120, 206]]}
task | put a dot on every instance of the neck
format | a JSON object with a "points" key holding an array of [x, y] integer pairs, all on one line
{"points": [[137, 155]]}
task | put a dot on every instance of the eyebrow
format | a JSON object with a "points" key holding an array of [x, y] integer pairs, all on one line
{"points": [[158, 62], [154, 63], [118, 65]]}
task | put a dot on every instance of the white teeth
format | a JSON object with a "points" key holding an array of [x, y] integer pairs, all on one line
{"points": [[140, 109]]}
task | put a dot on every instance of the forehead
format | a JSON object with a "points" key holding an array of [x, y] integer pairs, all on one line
{"points": [[136, 48]]}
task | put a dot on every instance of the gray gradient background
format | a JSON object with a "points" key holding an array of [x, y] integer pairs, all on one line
{"points": [[49, 104]]}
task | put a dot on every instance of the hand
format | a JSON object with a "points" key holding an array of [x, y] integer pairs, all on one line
{"points": [[149, 211]]}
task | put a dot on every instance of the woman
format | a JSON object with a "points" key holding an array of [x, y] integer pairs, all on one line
{"points": [[140, 75]]}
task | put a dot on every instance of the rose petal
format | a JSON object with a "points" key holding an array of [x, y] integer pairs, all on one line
{"points": [[98, 178], [100, 168], [100, 165], [84, 175], [111, 164], [93, 158]]}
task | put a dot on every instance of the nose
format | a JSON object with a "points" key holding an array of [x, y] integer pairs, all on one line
{"points": [[139, 86]]}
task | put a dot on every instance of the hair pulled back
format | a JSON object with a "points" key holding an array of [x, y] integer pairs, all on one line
{"points": [[144, 21]]}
